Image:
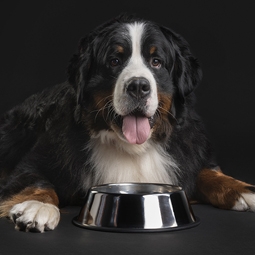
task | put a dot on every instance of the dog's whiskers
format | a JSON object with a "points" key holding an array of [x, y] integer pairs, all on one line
{"points": [[103, 99], [168, 112], [108, 106]]}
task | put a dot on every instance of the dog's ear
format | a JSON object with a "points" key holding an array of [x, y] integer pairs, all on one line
{"points": [[78, 69], [186, 71]]}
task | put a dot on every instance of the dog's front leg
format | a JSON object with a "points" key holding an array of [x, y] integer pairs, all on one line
{"points": [[225, 192]]}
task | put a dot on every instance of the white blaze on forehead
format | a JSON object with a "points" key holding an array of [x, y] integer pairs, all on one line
{"points": [[136, 31], [136, 67]]}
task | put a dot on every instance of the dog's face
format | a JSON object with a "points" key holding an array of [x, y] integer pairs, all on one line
{"points": [[130, 75]]}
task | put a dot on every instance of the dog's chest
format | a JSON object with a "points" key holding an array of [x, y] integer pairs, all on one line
{"points": [[115, 161]]}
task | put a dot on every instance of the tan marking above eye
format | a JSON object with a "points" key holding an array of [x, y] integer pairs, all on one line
{"points": [[152, 49], [120, 49]]}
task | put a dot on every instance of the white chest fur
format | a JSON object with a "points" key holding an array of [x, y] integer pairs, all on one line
{"points": [[115, 161]]}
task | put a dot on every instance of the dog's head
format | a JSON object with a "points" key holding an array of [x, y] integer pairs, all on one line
{"points": [[132, 77]]}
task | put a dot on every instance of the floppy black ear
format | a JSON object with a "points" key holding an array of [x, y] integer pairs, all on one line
{"points": [[186, 71], [78, 70]]}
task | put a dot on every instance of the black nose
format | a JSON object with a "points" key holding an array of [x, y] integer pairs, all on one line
{"points": [[138, 87]]}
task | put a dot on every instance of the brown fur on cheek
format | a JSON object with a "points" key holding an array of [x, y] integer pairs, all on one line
{"points": [[99, 112], [30, 193], [219, 189], [162, 127], [101, 101]]}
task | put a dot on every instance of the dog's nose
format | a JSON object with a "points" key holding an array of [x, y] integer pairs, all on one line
{"points": [[138, 87]]}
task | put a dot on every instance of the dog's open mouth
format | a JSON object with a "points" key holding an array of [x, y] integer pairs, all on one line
{"points": [[136, 128]]}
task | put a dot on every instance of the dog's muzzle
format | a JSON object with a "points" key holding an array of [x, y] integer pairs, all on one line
{"points": [[136, 126]]}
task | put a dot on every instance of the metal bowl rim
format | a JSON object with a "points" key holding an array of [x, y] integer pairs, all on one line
{"points": [[96, 189]]}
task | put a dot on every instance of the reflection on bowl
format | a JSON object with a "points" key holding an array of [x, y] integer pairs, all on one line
{"points": [[136, 207]]}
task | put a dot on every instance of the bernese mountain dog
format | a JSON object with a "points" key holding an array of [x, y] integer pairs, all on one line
{"points": [[126, 114]]}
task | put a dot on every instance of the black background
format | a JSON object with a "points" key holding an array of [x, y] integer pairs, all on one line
{"points": [[37, 39]]}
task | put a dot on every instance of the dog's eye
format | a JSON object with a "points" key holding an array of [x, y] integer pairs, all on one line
{"points": [[155, 62], [114, 62]]}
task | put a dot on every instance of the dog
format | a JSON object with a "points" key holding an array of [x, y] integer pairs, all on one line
{"points": [[125, 114]]}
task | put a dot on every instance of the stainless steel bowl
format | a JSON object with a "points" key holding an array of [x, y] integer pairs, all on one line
{"points": [[136, 207]]}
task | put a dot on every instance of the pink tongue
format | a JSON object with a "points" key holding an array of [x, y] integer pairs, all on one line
{"points": [[136, 129]]}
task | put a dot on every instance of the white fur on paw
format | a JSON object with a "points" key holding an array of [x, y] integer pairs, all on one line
{"points": [[35, 215], [250, 200], [245, 203], [240, 205]]}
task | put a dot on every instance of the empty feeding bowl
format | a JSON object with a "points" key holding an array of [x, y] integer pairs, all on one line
{"points": [[136, 207]]}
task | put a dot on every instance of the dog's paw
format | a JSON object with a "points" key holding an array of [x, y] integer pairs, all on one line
{"points": [[34, 216], [246, 202]]}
